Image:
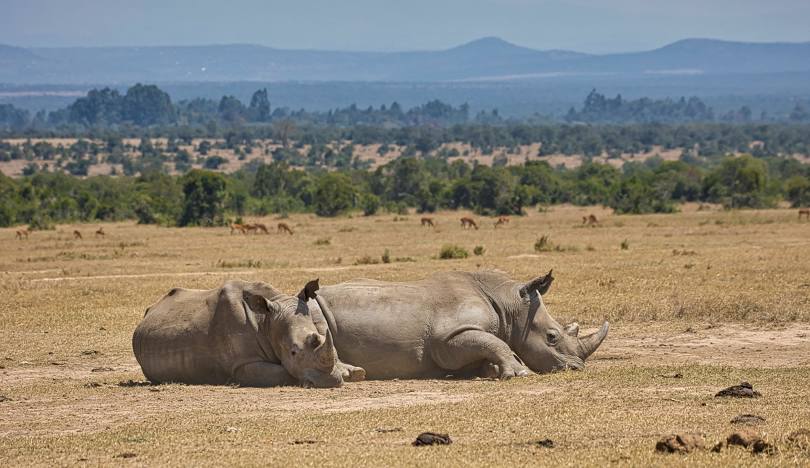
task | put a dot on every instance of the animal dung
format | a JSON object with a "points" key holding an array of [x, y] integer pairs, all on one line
{"points": [[747, 419], [680, 443], [432, 438], [743, 390], [545, 443]]}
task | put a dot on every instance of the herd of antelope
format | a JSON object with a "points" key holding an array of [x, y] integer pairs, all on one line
{"points": [[466, 223], [259, 227]]}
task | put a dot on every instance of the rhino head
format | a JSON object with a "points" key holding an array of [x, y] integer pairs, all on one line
{"points": [[306, 354], [543, 344]]}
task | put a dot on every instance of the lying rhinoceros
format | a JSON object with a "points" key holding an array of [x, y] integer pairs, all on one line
{"points": [[244, 333], [459, 323]]}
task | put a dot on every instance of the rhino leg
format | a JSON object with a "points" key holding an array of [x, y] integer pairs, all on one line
{"points": [[472, 346], [262, 374]]}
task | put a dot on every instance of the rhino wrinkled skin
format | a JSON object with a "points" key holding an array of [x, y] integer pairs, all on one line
{"points": [[244, 333], [479, 323]]}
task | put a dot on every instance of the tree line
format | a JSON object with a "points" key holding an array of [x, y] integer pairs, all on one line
{"points": [[145, 106], [207, 198]]}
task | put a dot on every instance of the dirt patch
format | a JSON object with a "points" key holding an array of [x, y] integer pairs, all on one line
{"points": [[731, 345]]}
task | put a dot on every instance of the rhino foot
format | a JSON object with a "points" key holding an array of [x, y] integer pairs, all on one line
{"points": [[504, 372], [352, 373]]}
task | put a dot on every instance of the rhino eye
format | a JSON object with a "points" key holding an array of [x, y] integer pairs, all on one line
{"points": [[552, 336]]}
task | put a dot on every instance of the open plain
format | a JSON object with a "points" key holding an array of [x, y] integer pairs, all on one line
{"points": [[697, 301]]}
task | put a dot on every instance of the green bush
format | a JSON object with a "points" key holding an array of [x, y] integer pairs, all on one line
{"points": [[449, 252], [479, 250], [370, 204]]}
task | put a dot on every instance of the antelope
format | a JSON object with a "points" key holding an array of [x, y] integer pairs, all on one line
{"points": [[428, 222], [804, 212], [250, 228], [590, 220], [260, 227], [502, 221], [77, 234], [467, 223], [100, 232], [22, 233], [283, 227], [237, 227]]}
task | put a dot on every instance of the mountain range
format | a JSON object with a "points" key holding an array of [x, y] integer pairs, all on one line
{"points": [[486, 59]]}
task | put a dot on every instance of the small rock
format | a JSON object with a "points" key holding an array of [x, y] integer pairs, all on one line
{"points": [[545, 443], [743, 437], [102, 369], [743, 390], [680, 443], [386, 430], [89, 352], [134, 383], [126, 455], [747, 419], [231, 429], [432, 438], [92, 385], [799, 439], [304, 441], [677, 375]]}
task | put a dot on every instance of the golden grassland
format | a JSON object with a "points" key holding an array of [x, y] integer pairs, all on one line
{"points": [[715, 296]]}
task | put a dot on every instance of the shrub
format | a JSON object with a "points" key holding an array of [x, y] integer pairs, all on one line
{"points": [[453, 252], [366, 260], [386, 256], [479, 250], [370, 204], [625, 245], [543, 244], [323, 241]]}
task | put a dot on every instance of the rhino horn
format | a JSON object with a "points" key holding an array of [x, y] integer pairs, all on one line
{"points": [[588, 344], [326, 351]]}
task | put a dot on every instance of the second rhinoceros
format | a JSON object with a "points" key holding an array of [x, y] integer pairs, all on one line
{"points": [[452, 323], [243, 333]]}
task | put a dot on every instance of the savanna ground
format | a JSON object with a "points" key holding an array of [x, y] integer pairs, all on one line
{"points": [[718, 297]]}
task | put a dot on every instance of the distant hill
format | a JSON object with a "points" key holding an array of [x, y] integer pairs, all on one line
{"points": [[480, 60]]}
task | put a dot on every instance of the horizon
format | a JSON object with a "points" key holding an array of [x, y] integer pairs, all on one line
{"points": [[584, 26], [463, 44]]}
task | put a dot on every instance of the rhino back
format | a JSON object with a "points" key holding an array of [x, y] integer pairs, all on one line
{"points": [[196, 336]]}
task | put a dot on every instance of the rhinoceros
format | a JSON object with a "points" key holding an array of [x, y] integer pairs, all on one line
{"points": [[452, 323], [244, 333]]}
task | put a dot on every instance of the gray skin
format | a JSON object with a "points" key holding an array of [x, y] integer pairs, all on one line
{"points": [[459, 323], [243, 333]]}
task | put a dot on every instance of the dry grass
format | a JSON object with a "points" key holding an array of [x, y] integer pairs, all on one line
{"points": [[716, 296]]}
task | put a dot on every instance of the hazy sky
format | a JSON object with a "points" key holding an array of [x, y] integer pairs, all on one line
{"points": [[583, 25]]}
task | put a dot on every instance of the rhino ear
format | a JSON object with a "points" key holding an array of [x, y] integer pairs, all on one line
{"points": [[541, 284], [260, 305], [309, 290]]}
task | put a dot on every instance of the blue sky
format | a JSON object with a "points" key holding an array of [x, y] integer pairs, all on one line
{"points": [[596, 26]]}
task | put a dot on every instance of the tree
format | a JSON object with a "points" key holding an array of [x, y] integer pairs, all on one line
{"points": [[231, 110], [203, 199], [738, 182], [147, 105], [260, 106], [334, 195]]}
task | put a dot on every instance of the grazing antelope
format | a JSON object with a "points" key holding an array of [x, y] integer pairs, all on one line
{"points": [[804, 212], [250, 228], [283, 227], [428, 222], [467, 223], [502, 221], [590, 220], [77, 234], [22, 233], [100, 232], [260, 227], [238, 227]]}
